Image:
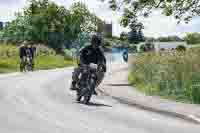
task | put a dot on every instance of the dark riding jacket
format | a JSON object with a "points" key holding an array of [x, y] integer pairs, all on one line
{"points": [[91, 55]]}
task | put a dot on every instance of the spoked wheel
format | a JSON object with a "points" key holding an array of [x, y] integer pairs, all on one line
{"points": [[89, 92], [26, 67], [29, 68], [87, 98], [84, 94]]}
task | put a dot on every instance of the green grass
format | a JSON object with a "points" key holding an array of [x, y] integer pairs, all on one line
{"points": [[51, 61], [46, 59], [170, 75], [8, 65]]}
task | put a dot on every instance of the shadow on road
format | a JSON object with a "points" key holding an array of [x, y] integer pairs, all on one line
{"points": [[97, 104], [118, 84]]}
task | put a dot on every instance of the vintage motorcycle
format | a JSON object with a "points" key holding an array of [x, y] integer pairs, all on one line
{"points": [[28, 64], [88, 80]]}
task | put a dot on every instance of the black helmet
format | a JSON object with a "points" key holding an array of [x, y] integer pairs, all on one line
{"points": [[96, 40]]}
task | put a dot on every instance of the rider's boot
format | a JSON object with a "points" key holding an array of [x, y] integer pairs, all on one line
{"points": [[95, 92]]}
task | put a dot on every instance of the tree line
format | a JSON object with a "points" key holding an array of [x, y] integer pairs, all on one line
{"points": [[136, 37], [45, 22]]}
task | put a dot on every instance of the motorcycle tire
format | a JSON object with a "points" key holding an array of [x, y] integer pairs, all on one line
{"points": [[79, 96], [87, 98]]}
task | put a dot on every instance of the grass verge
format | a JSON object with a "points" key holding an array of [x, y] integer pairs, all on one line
{"points": [[171, 75]]}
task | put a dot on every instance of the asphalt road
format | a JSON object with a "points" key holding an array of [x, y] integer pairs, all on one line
{"points": [[40, 102]]}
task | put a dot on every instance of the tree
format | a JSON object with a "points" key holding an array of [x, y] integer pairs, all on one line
{"points": [[136, 34], [133, 36], [175, 38], [83, 20], [192, 38], [149, 39], [182, 10], [141, 36], [181, 48], [170, 39], [123, 36], [142, 48]]}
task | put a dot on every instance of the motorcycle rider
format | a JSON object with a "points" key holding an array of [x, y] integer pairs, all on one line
{"points": [[34, 50], [24, 51], [89, 54], [22, 54], [32, 53]]}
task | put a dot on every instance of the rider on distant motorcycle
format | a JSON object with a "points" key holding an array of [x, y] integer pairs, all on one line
{"points": [[89, 54], [24, 52]]}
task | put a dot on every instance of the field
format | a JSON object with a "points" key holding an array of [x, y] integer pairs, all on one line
{"points": [[46, 59]]}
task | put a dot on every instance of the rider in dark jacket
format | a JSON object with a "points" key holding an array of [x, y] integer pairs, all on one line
{"points": [[89, 54], [25, 50], [32, 52], [22, 50], [22, 54]]}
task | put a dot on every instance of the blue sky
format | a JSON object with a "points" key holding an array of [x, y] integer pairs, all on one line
{"points": [[156, 25]]}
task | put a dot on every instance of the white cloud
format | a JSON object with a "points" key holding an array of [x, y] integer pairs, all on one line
{"points": [[159, 25], [10, 2], [9, 7]]}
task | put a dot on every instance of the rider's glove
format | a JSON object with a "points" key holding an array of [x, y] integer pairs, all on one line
{"points": [[103, 68]]}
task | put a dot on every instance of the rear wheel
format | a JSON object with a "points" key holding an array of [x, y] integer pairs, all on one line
{"points": [[79, 96]]}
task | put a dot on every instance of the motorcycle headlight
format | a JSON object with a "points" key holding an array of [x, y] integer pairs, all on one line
{"points": [[94, 66]]}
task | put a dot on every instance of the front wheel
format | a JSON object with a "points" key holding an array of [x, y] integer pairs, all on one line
{"points": [[90, 91], [87, 98], [29, 68]]}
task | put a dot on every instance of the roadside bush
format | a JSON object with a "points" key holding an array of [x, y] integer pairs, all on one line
{"points": [[107, 43], [181, 48], [68, 54], [142, 48], [175, 76], [133, 48], [149, 46]]}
